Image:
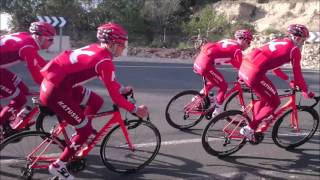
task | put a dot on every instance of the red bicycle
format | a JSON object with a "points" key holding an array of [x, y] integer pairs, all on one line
{"points": [[187, 108], [294, 125], [127, 146]]}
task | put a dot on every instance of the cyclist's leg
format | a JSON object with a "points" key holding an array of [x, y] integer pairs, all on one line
{"points": [[59, 99], [84, 96], [268, 103], [215, 78], [10, 89]]}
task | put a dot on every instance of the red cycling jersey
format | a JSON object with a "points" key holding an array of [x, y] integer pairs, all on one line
{"points": [[221, 52], [273, 55], [21, 47], [84, 64]]}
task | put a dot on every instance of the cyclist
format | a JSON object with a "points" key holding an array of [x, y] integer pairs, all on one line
{"points": [[270, 56], [17, 47], [24, 46], [72, 67], [228, 51]]}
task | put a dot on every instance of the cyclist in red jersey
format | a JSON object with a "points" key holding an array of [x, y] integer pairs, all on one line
{"points": [[15, 48], [73, 67], [271, 56], [227, 51], [24, 47]]}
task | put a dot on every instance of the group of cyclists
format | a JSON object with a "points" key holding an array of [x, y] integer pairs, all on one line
{"points": [[60, 78]]}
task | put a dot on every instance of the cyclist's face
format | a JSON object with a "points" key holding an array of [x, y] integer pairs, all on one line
{"points": [[46, 41], [119, 49], [244, 43]]}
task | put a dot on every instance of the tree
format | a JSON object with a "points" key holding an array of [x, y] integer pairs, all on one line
{"points": [[163, 14]]}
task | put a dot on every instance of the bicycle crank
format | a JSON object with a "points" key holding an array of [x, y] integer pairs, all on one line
{"points": [[77, 165], [258, 138]]}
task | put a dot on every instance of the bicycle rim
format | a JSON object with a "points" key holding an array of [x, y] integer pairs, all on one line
{"points": [[287, 135], [16, 149], [181, 111], [117, 155], [221, 137]]}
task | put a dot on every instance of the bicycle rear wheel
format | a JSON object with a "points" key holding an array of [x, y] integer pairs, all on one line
{"points": [[117, 155], [184, 112], [287, 136], [18, 152], [221, 137]]}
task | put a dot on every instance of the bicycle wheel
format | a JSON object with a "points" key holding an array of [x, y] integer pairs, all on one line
{"points": [[233, 102], [287, 136], [221, 137], [118, 157], [19, 151], [183, 112]]}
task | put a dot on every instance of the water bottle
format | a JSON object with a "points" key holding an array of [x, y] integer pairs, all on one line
{"points": [[20, 117]]}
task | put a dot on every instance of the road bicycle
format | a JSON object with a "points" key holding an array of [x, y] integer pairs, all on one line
{"points": [[294, 124], [22, 124], [187, 108], [127, 147]]}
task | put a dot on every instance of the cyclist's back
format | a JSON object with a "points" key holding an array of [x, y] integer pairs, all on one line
{"points": [[274, 54], [14, 48], [227, 51], [76, 66]]}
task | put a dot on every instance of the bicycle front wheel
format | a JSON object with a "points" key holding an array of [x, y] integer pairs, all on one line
{"points": [[21, 150], [185, 110], [119, 157], [288, 134], [221, 137]]}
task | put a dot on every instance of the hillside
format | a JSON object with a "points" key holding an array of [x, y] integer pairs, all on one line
{"points": [[274, 15]]}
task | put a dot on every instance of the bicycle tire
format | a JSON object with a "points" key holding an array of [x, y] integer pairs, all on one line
{"points": [[117, 156], [284, 140], [171, 115], [16, 148], [219, 123]]}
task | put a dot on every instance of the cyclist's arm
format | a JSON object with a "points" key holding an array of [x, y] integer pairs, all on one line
{"points": [[237, 60], [278, 72], [298, 77], [34, 62], [106, 73]]}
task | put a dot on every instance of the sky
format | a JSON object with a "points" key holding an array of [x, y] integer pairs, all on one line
{"points": [[4, 21]]}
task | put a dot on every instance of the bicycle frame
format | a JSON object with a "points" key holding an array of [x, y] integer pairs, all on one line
{"points": [[290, 104], [83, 151], [237, 86]]}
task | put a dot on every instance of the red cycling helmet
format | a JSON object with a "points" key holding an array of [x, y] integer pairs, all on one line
{"points": [[298, 30], [112, 33], [243, 34], [42, 29]]}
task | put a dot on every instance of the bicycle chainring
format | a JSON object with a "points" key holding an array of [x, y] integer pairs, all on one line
{"points": [[258, 138], [77, 165]]}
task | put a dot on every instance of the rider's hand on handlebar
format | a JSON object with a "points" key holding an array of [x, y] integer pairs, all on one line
{"points": [[142, 111], [308, 94]]}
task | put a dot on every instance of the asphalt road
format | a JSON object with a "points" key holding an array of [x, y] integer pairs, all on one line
{"points": [[181, 155]]}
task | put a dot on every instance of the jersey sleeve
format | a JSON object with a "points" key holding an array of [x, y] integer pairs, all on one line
{"points": [[106, 72], [237, 60], [295, 60], [34, 62]]}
